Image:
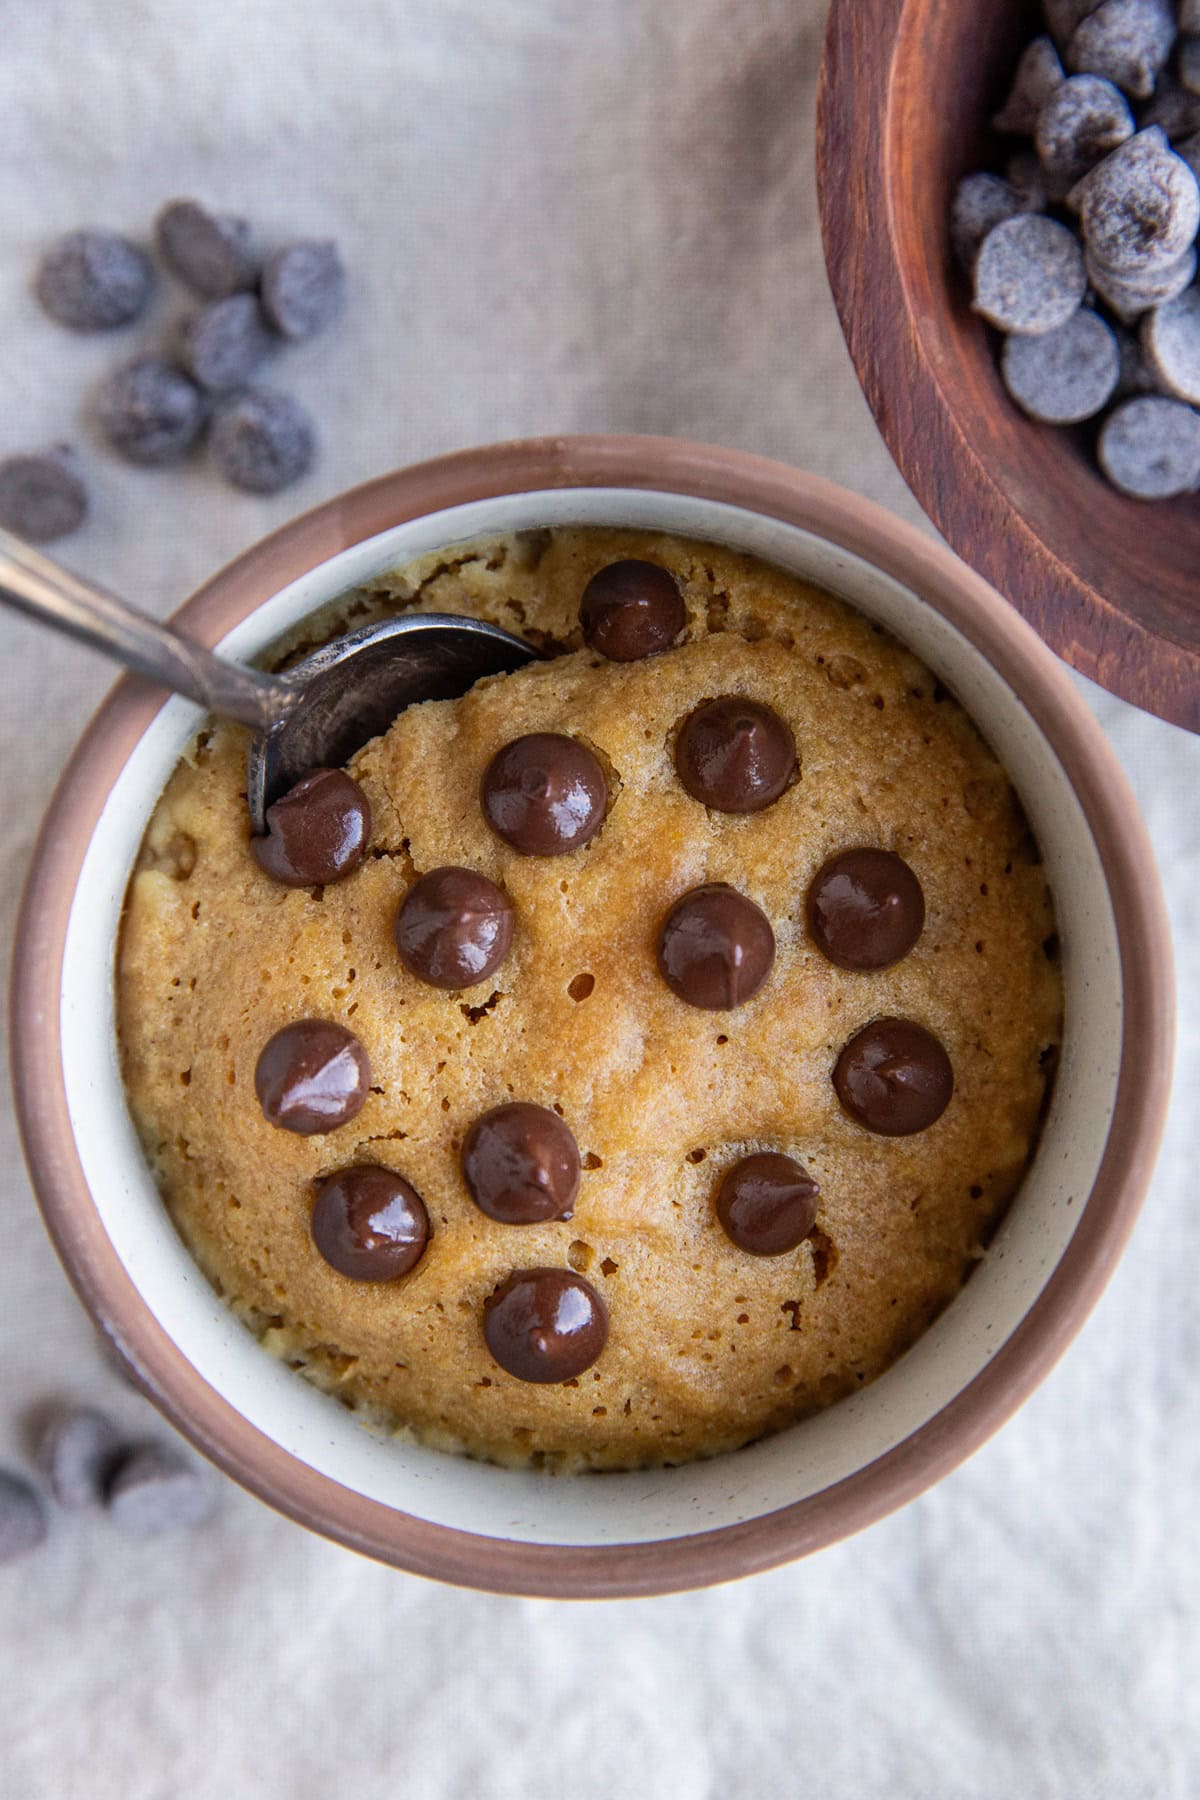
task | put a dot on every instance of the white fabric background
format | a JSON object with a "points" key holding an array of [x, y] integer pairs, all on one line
{"points": [[558, 216]]}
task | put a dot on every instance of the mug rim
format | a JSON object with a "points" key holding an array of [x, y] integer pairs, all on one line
{"points": [[256, 1461]]}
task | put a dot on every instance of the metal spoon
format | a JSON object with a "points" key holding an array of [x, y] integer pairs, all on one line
{"points": [[313, 716]]}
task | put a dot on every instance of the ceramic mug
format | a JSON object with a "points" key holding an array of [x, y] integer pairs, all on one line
{"points": [[647, 1531]]}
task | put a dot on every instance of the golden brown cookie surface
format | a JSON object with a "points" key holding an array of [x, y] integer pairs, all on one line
{"points": [[708, 1345]]}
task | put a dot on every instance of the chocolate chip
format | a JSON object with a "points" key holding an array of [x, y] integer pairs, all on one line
{"points": [[544, 794], [1140, 209], [735, 755], [1150, 448], [42, 496], [22, 1517], [1126, 41], [767, 1204], [1039, 72], [317, 832], [545, 1325], [369, 1223], [78, 1452], [631, 610], [94, 281], [1171, 342], [894, 1077], [716, 948], [1029, 275], [303, 286], [150, 411], [156, 1489], [1084, 118], [262, 441], [1065, 375], [1131, 296], [312, 1076], [980, 203], [224, 344], [454, 928], [865, 909], [521, 1164], [210, 252]]}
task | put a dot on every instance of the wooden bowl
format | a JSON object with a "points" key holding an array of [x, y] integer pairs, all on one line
{"points": [[1112, 584]]}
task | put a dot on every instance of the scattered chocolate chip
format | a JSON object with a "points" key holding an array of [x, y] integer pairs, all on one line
{"points": [[1126, 41], [865, 909], [1029, 275], [715, 948], [894, 1077], [545, 1325], [150, 411], [210, 252], [454, 928], [369, 1223], [735, 755], [1129, 297], [78, 1451], [1039, 72], [521, 1164], [1150, 448], [767, 1204], [1065, 375], [311, 1077], [630, 610], [22, 1517], [155, 1489], [262, 441], [224, 344], [980, 203], [303, 286], [1084, 118], [1171, 344], [1141, 207], [544, 794], [42, 496], [94, 281], [317, 832]]}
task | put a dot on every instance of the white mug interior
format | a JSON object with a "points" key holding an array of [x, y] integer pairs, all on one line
{"points": [[645, 1505]]}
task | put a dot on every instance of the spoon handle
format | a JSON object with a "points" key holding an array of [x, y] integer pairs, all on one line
{"points": [[42, 589]]}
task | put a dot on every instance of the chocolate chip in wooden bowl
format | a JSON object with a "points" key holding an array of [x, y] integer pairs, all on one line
{"points": [[78, 1449], [94, 281], [1171, 344], [262, 441], [210, 252], [1126, 41], [980, 203], [1064, 376], [150, 412], [1084, 119], [303, 288], [42, 495], [1129, 296], [23, 1525], [1029, 275], [1140, 207], [1150, 448], [156, 1489], [222, 345], [1038, 73]]}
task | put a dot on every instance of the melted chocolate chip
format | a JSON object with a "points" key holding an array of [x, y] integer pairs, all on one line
{"points": [[894, 1077], [735, 755], [369, 1223], [865, 909], [317, 832], [716, 947], [312, 1076], [454, 928], [545, 1325], [544, 794], [767, 1204], [630, 610], [521, 1164]]}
